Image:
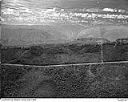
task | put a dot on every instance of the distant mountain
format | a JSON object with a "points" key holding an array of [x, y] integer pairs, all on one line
{"points": [[31, 36], [57, 34], [108, 32]]}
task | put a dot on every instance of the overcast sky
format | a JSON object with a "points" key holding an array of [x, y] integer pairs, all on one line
{"points": [[69, 31], [70, 3]]}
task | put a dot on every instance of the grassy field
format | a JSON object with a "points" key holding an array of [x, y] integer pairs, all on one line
{"points": [[113, 52], [100, 80], [51, 54]]}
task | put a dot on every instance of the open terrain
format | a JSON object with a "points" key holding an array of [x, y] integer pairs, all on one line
{"points": [[99, 80], [64, 49], [85, 50], [52, 54]]}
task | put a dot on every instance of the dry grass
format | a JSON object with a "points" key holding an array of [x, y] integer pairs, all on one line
{"points": [[104, 80]]}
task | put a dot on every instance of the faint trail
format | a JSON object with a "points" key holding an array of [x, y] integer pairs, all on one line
{"points": [[64, 65]]}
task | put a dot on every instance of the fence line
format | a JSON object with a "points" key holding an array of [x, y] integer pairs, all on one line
{"points": [[64, 65]]}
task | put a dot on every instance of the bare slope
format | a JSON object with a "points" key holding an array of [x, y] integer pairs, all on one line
{"points": [[35, 35]]}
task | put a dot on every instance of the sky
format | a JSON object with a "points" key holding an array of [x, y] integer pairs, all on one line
{"points": [[70, 3], [20, 11], [39, 12]]}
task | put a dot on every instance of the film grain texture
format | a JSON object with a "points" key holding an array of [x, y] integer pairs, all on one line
{"points": [[64, 49]]}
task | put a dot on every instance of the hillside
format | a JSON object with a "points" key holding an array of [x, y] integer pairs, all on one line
{"points": [[12, 36], [56, 34]]}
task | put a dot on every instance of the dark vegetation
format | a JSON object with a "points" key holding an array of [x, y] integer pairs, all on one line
{"points": [[51, 54], [100, 80], [66, 53], [116, 51], [0, 51]]}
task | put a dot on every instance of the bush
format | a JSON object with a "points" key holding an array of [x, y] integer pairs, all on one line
{"points": [[36, 50]]}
